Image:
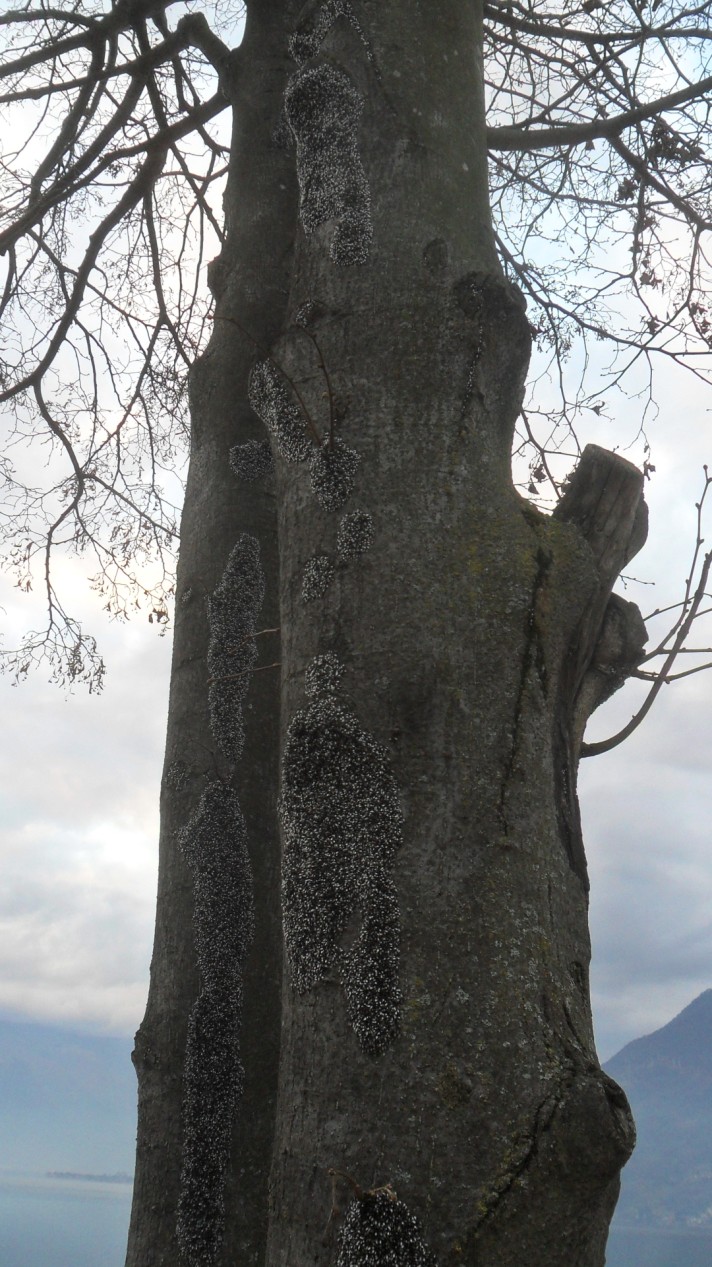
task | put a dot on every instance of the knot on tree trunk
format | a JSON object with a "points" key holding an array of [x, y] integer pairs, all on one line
{"points": [[502, 341], [561, 1172]]}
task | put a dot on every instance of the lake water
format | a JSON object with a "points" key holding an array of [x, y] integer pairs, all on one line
{"points": [[638, 1248], [62, 1222]]}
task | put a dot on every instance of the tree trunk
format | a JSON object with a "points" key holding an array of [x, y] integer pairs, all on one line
{"points": [[439, 1094], [250, 283]]}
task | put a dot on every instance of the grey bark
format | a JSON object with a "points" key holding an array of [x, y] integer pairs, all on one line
{"points": [[250, 284], [423, 1079]]}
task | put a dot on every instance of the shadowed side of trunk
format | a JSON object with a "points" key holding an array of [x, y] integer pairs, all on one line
{"points": [[230, 492]]}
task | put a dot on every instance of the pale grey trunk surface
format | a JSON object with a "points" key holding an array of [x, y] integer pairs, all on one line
{"points": [[436, 647]]}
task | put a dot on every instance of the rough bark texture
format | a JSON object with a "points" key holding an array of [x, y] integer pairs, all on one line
{"points": [[442, 643], [250, 283]]}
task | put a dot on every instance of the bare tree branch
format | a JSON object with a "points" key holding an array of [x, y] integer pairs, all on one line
{"points": [[605, 745], [109, 207], [530, 139]]}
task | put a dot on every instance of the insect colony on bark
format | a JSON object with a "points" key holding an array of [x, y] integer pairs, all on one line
{"points": [[339, 805]]}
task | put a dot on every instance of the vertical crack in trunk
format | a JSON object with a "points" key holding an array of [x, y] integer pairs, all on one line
{"points": [[526, 1153]]}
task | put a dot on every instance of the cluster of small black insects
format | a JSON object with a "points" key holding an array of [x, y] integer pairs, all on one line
{"points": [[323, 109], [305, 42], [324, 675], [317, 577], [332, 473], [214, 844], [282, 417], [176, 775], [332, 464], [339, 805], [212, 1086], [232, 650], [355, 534], [379, 1231], [342, 823], [252, 461]]}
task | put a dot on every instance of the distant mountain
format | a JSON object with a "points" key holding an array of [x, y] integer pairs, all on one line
{"points": [[667, 1077], [67, 1100]]}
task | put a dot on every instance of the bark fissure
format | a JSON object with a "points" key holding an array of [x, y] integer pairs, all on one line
{"points": [[472, 391], [527, 1151]]}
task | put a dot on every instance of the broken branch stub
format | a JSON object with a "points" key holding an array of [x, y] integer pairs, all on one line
{"points": [[604, 500]]}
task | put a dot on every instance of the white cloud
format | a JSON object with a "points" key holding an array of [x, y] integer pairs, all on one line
{"points": [[647, 809], [78, 843], [79, 796], [75, 924]]}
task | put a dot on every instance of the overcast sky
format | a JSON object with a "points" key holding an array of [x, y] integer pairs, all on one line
{"points": [[79, 798], [79, 795]]}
